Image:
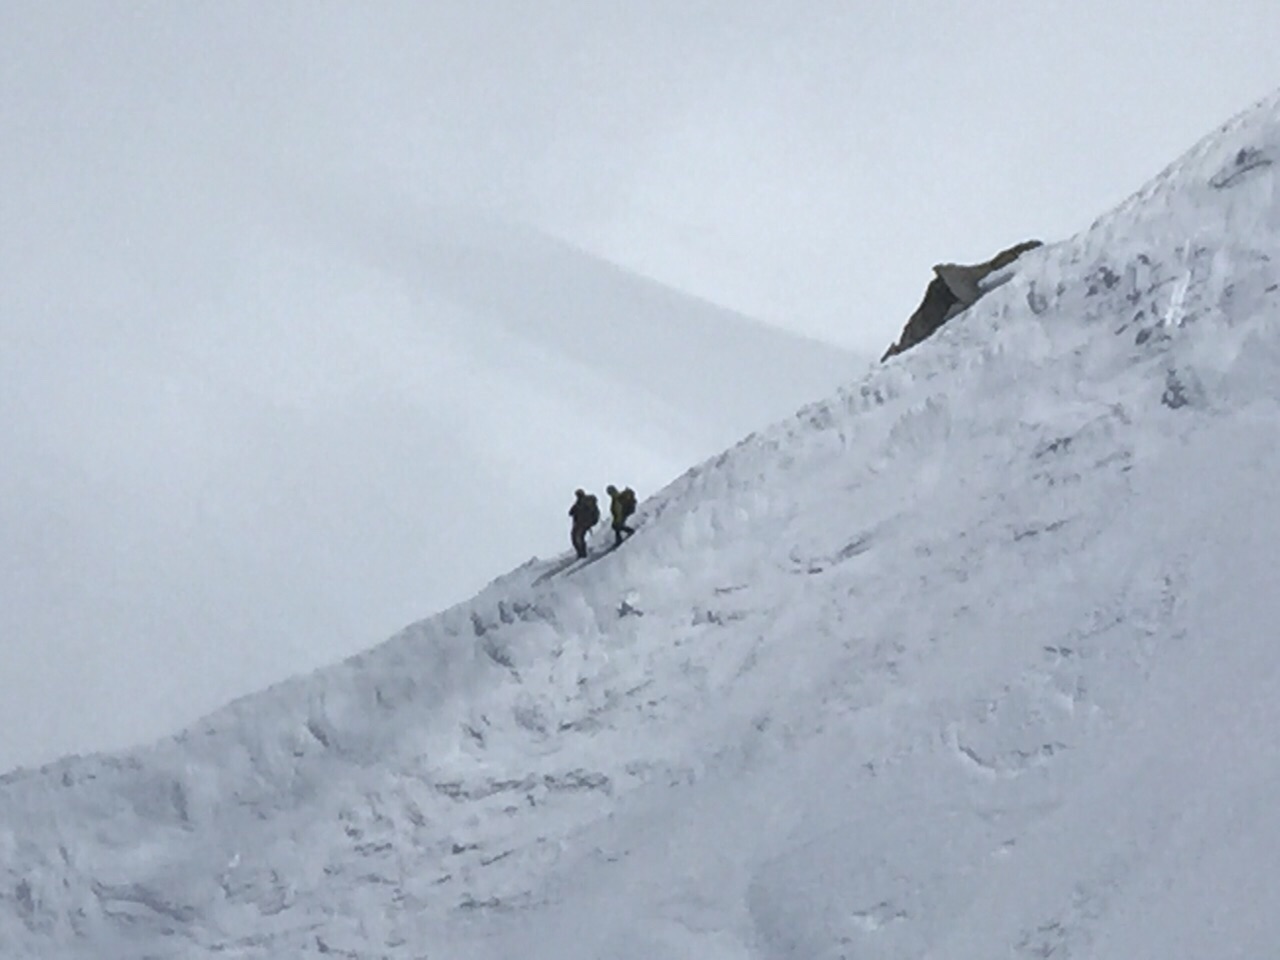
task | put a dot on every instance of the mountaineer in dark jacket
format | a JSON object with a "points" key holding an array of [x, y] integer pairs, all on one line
{"points": [[621, 506], [586, 514]]}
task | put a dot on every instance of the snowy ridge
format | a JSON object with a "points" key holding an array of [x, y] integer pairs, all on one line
{"points": [[976, 658]]}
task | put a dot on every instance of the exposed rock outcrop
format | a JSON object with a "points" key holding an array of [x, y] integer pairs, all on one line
{"points": [[954, 288]]}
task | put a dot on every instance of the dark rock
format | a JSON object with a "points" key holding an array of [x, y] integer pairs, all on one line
{"points": [[954, 289]]}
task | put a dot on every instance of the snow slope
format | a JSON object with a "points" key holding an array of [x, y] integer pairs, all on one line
{"points": [[976, 658]]}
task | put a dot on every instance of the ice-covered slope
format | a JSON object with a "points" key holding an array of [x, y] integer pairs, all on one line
{"points": [[977, 658]]}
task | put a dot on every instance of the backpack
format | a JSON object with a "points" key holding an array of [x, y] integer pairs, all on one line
{"points": [[592, 516], [628, 500]]}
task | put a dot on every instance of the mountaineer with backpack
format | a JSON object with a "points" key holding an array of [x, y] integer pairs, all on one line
{"points": [[585, 513], [621, 506]]}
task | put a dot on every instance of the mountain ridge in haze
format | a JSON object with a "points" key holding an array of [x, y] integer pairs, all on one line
{"points": [[632, 330]]}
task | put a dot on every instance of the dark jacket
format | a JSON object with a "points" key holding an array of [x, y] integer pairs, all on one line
{"points": [[585, 511]]}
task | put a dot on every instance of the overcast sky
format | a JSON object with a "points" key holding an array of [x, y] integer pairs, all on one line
{"points": [[175, 326]]}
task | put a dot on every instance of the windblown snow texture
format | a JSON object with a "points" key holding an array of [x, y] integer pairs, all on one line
{"points": [[975, 659]]}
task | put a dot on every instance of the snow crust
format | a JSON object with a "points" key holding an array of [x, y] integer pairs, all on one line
{"points": [[976, 658]]}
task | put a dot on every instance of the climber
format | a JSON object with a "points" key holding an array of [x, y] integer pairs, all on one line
{"points": [[586, 514], [621, 506]]}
